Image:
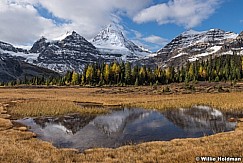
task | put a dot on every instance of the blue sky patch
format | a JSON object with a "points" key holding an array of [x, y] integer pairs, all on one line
{"points": [[48, 15]]}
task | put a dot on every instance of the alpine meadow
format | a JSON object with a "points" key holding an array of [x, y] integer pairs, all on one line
{"points": [[121, 81]]}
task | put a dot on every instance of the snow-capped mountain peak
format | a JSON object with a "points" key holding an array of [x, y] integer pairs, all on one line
{"points": [[193, 45], [71, 51], [111, 40], [113, 28], [68, 34], [63, 36], [111, 36], [74, 36], [191, 32], [39, 45], [191, 38]]}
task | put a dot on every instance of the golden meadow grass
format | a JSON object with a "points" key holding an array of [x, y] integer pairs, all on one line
{"points": [[37, 108], [17, 146], [39, 102]]}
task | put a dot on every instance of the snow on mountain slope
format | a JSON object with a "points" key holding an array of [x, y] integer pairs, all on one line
{"points": [[110, 37], [8, 48], [68, 52], [68, 33], [22, 54], [29, 57], [111, 41], [193, 38], [210, 51], [72, 51], [216, 36], [13, 66], [193, 45]]}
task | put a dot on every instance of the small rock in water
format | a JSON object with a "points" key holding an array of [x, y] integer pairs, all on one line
{"points": [[5, 116], [34, 135], [3, 112], [5, 105], [22, 128], [5, 124], [232, 120]]}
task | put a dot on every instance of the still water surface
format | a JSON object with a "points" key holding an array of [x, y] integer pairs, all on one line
{"points": [[127, 126]]}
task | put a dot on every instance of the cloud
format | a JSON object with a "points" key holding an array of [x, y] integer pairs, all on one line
{"points": [[87, 17], [241, 21], [188, 13], [76, 10], [156, 40], [151, 42], [22, 22], [147, 45], [137, 34]]}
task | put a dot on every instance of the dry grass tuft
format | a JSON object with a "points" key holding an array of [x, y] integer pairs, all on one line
{"points": [[50, 108], [5, 124]]}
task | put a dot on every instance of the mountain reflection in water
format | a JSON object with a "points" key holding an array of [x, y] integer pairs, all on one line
{"points": [[130, 126]]}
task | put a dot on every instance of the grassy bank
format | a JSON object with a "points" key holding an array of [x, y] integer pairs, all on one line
{"points": [[37, 108]]}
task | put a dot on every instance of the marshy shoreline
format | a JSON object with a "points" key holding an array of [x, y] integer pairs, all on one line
{"points": [[20, 145]]}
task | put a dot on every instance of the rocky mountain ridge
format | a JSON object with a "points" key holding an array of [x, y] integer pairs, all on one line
{"points": [[12, 68], [192, 45], [72, 51]]}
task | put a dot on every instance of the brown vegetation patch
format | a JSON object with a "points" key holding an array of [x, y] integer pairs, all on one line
{"points": [[5, 124], [36, 108]]}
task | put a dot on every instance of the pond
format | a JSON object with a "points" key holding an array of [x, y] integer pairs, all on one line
{"points": [[130, 126]]}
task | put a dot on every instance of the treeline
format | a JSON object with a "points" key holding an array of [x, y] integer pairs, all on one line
{"points": [[223, 68]]}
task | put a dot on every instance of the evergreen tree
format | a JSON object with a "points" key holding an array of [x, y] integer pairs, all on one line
{"points": [[68, 77], [128, 73], [122, 74]]}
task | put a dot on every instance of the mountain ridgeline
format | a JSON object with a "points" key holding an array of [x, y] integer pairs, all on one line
{"points": [[73, 53], [192, 45], [70, 53], [12, 69]]}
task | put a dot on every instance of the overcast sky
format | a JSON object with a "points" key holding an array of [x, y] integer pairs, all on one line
{"points": [[151, 23]]}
